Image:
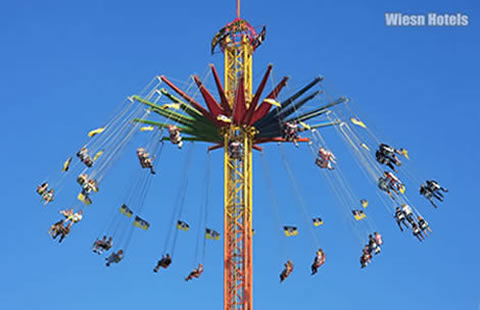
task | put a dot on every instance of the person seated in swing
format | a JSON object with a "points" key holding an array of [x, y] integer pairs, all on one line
{"points": [[89, 186], [290, 132], [42, 188], [84, 157], [93, 185], [393, 182], [383, 185], [83, 153], [53, 229], [71, 217], [66, 213], [286, 271], [423, 225], [114, 258], [366, 257], [425, 191], [385, 155], [108, 245], [357, 213], [145, 160], [149, 164], [82, 179], [63, 231], [142, 155], [86, 195], [86, 189], [436, 189], [325, 159], [378, 238], [175, 137], [400, 218], [384, 161], [235, 149], [364, 260], [407, 210], [372, 245], [318, 261], [196, 272], [75, 218], [48, 196], [99, 245], [58, 229], [417, 232], [164, 262], [88, 161], [85, 192]]}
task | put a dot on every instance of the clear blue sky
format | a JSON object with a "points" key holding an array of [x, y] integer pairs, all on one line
{"points": [[65, 66]]}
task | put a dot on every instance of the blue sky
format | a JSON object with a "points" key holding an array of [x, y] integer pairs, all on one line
{"points": [[65, 66]]}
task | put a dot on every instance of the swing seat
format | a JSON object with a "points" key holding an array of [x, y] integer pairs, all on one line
{"points": [[99, 153], [82, 178], [211, 234], [94, 132], [317, 222], [359, 216], [181, 225], [141, 223], [66, 164], [290, 231], [126, 211], [85, 199]]}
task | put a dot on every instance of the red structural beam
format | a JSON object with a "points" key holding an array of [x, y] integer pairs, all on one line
{"points": [[190, 100], [221, 92], [265, 106], [256, 97], [240, 105], [212, 104]]}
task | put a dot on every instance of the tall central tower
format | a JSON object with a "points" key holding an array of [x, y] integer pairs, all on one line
{"points": [[238, 44]]}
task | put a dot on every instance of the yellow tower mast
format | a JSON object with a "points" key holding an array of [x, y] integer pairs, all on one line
{"points": [[238, 265]]}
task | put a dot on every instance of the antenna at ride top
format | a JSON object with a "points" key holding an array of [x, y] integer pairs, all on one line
{"points": [[238, 8]]}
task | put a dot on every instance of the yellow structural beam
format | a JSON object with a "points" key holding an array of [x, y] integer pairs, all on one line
{"points": [[238, 265], [238, 222], [238, 62]]}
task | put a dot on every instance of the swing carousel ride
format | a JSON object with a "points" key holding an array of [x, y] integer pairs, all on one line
{"points": [[239, 120]]}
